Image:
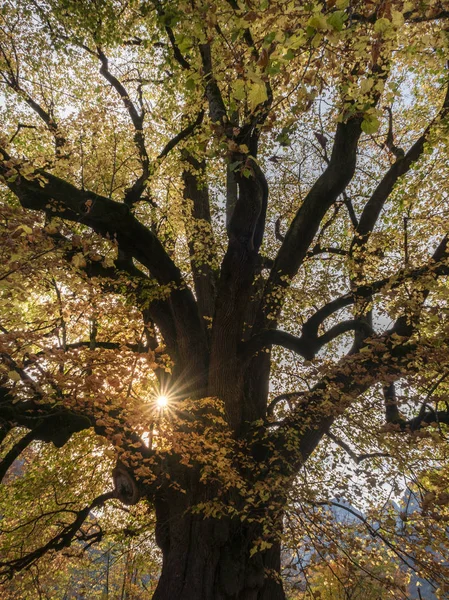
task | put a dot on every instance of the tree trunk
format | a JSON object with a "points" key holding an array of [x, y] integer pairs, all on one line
{"points": [[209, 558]]}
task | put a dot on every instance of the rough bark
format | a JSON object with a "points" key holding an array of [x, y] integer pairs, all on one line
{"points": [[209, 558]]}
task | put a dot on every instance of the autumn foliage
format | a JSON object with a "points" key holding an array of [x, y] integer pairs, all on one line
{"points": [[225, 311]]}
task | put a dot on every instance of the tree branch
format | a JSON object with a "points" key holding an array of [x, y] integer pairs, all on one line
{"points": [[217, 109], [344, 327], [62, 540], [300, 345], [114, 220], [198, 225], [389, 142], [351, 377], [134, 193], [15, 452], [426, 418], [306, 345], [410, 16], [391, 404], [317, 249], [138, 348], [56, 423], [357, 458], [171, 36], [402, 165], [348, 203], [182, 135], [305, 225], [436, 265], [389, 354], [12, 80], [235, 285]]}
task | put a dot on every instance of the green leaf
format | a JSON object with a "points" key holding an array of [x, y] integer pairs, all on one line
{"points": [[317, 39], [382, 25], [283, 138], [366, 85], [269, 38], [273, 68], [318, 22], [370, 124], [336, 20], [184, 43]]}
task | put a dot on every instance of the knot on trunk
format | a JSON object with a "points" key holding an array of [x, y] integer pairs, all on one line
{"points": [[125, 485]]}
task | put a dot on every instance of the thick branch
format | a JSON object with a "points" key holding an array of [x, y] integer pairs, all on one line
{"points": [[317, 249], [305, 225], [436, 265], [47, 423], [389, 142], [198, 226], [235, 287], [351, 377], [299, 345], [410, 16], [391, 404], [217, 109], [350, 208], [344, 327], [306, 345], [176, 51], [56, 424], [111, 279], [387, 357], [105, 216], [114, 220], [427, 418], [171, 36]]}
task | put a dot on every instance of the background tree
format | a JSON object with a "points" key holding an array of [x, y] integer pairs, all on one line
{"points": [[241, 207], [344, 581]]}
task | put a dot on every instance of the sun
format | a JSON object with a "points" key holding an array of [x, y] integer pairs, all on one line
{"points": [[162, 401]]}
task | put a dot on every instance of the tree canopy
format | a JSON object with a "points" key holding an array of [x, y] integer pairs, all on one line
{"points": [[224, 290]]}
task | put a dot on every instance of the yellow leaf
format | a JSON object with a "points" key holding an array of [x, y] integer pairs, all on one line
{"points": [[257, 95], [238, 89], [397, 18], [78, 260], [14, 375]]}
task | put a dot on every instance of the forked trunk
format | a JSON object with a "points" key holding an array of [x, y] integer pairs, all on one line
{"points": [[209, 558]]}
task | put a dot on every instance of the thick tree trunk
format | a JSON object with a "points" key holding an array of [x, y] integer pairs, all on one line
{"points": [[209, 558]]}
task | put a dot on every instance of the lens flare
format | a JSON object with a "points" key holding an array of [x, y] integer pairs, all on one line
{"points": [[162, 401]]}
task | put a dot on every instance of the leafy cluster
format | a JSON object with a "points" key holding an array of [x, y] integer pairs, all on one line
{"points": [[224, 231]]}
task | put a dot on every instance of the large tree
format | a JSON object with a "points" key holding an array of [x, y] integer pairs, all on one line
{"points": [[241, 207]]}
